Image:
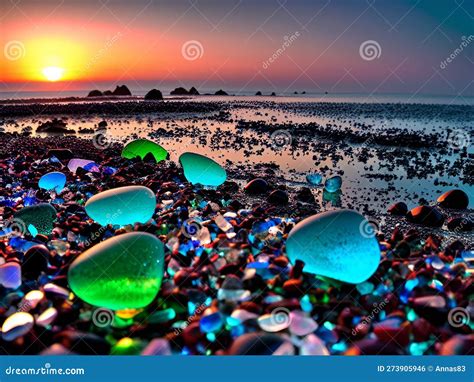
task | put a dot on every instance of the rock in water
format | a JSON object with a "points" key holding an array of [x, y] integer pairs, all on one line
{"points": [[154, 94], [398, 209], [123, 272], [333, 184], [52, 181], [333, 244], [40, 216], [142, 147], [199, 169], [456, 199], [122, 206], [426, 215]]}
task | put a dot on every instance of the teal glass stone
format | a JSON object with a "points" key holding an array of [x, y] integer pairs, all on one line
{"points": [[122, 206], [314, 179], [199, 169], [333, 244], [40, 216], [333, 184], [123, 272], [52, 181]]}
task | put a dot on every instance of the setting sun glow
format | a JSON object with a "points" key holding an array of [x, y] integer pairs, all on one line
{"points": [[53, 73]]}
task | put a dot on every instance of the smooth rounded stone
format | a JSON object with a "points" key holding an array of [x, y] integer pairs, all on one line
{"points": [[257, 186], [133, 263], [314, 179], [398, 209], [456, 199], [278, 197], [52, 181], [275, 321], [426, 215], [157, 346], [17, 325], [243, 315], [47, 317], [211, 322], [10, 275], [142, 148], [56, 290], [127, 346], [40, 216], [76, 163], [31, 300], [122, 206], [56, 349], [199, 169], [333, 244], [313, 345], [261, 344], [458, 345], [460, 224], [333, 184], [35, 261], [61, 154], [301, 324]]}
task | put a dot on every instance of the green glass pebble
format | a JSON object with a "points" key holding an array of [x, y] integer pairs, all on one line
{"points": [[36, 219], [122, 206], [335, 244], [199, 169], [142, 147], [123, 272]]}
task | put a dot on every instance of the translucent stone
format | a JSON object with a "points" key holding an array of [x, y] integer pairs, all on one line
{"points": [[211, 322], [314, 179], [10, 275], [333, 184], [157, 346], [123, 272], [332, 244], [222, 223], [199, 169], [141, 148], [41, 216], [301, 324], [47, 317], [31, 299], [56, 290], [243, 315], [430, 301], [75, 163], [60, 246], [233, 294], [122, 206], [313, 345], [365, 287], [274, 322], [17, 325], [162, 316], [53, 181]]}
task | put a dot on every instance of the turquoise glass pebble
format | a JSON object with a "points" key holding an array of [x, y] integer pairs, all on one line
{"points": [[314, 179], [122, 206], [333, 184], [199, 169], [331, 244], [40, 216], [52, 181]]}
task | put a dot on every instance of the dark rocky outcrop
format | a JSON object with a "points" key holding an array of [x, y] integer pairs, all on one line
{"points": [[154, 94], [179, 91], [122, 90], [95, 93], [220, 93], [259, 93], [193, 91], [55, 126]]}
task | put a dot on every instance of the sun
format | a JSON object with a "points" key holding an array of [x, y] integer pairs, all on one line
{"points": [[53, 73]]}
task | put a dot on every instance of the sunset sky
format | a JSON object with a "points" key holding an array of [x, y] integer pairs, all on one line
{"points": [[72, 45]]}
